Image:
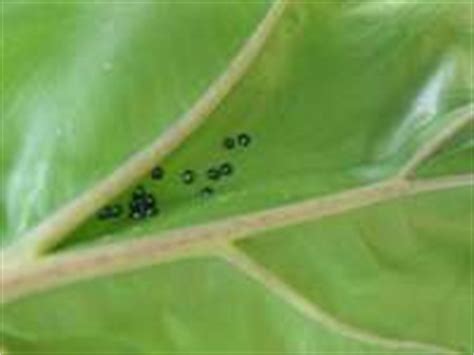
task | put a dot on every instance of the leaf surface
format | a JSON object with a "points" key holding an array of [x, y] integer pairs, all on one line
{"points": [[342, 222]]}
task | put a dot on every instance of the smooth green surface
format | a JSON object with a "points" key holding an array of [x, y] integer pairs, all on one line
{"points": [[401, 268], [89, 84], [193, 306], [340, 97]]}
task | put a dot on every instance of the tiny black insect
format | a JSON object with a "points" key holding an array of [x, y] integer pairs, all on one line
{"points": [[150, 200], [139, 206], [226, 169], [110, 211], [104, 213], [206, 192], [229, 143], [244, 139], [139, 192], [188, 176], [142, 204], [157, 173], [117, 210], [213, 174]]}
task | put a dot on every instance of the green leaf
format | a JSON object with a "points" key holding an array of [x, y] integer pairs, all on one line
{"points": [[342, 222], [454, 158], [407, 260], [89, 84]]}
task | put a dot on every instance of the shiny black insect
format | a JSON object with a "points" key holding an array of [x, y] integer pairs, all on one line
{"points": [[244, 139], [139, 192], [109, 212], [188, 176], [157, 173], [213, 174], [142, 205], [229, 143], [226, 169], [206, 192]]}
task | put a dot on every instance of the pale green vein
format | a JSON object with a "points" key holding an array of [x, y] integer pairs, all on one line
{"points": [[311, 310], [58, 225], [58, 269], [457, 120]]}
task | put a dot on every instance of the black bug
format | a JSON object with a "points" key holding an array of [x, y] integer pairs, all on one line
{"points": [[213, 174], [244, 139], [157, 173], [229, 143], [139, 192], [142, 205], [188, 176], [109, 212], [104, 213], [206, 192], [226, 169], [117, 210]]}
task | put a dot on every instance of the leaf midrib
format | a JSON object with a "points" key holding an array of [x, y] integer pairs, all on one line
{"points": [[57, 226], [57, 269], [216, 240]]}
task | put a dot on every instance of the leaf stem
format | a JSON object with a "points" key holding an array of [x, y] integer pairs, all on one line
{"points": [[53, 270]]}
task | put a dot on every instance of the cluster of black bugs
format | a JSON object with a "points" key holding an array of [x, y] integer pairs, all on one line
{"points": [[217, 172], [143, 204], [241, 140]]}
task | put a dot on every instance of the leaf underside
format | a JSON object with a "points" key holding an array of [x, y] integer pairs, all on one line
{"points": [[342, 96]]}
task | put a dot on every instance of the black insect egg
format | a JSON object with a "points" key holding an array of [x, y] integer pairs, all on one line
{"points": [[244, 139], [213, 174], [188, 176], [229, 143], [157, 173], [117, 210], [139, 192], [109, 212], [142, 205], [150, 200], [226, 169], [206, 192], [104, 213]]}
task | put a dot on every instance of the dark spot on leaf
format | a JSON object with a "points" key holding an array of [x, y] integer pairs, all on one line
{"points": [[117, 210], [157, 173], [142, 205], [188, 176], [226, 169], [229, 143], [109, 212], [213, 174], [139, 192], [244, 139], [206, 192]]}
